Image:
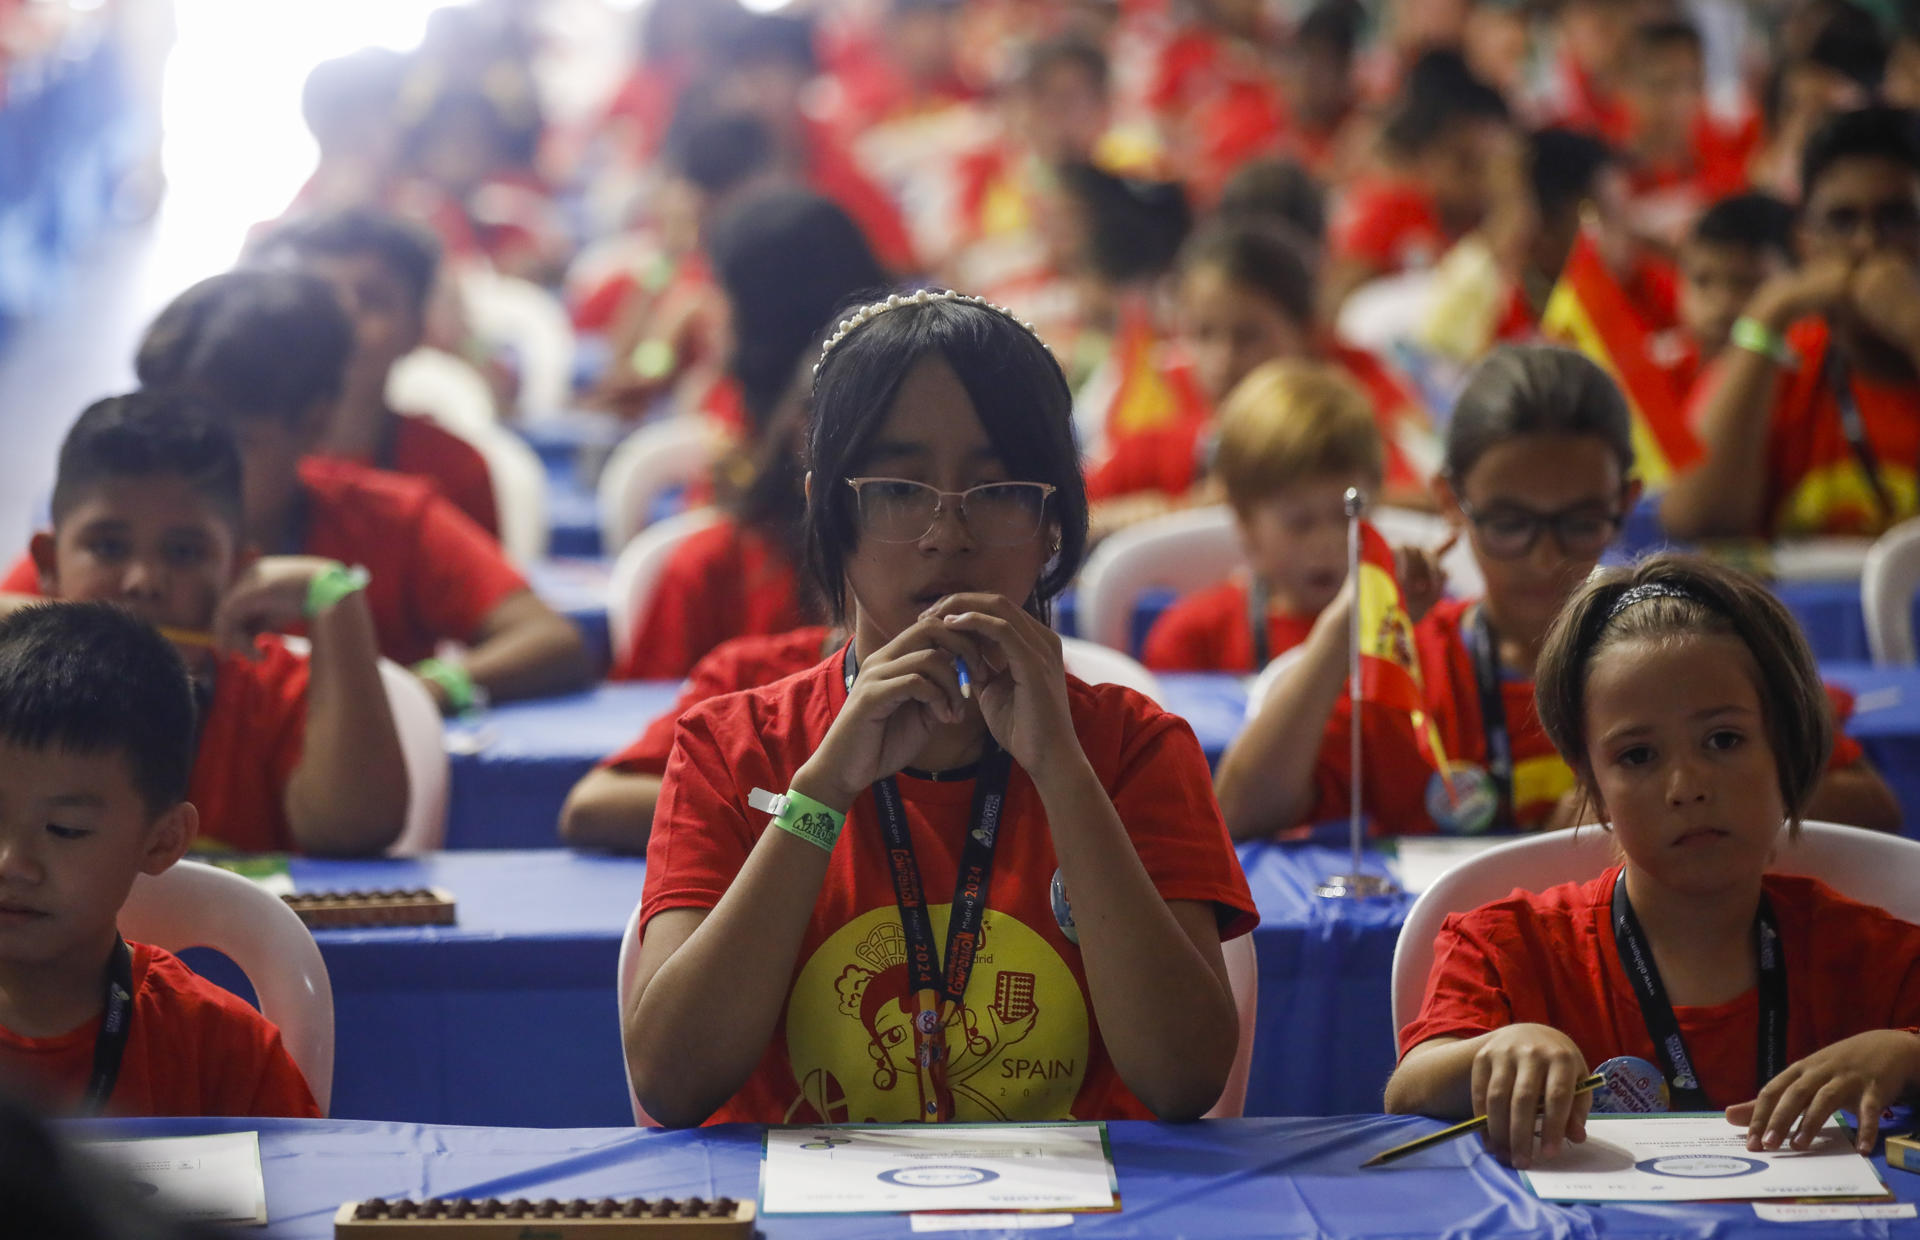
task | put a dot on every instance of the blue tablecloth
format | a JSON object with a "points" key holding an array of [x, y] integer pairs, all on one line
{"points": [[514, 764], [1219, 1179], [508, 1017]]}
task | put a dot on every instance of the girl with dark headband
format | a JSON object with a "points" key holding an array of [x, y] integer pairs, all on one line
{"points": [[936, 877], [1685, 699]]}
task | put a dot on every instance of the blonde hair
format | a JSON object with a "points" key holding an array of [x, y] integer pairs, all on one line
{"points": [[1290, 421]]}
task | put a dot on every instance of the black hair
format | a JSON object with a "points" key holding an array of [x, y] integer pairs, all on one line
{"points": [[1668, 31], [1333, 24], [404, 248], [1534, 389], [769, 38], [1278, 190], [1870, 133], [1563, 166], [788, 259], [1134, 227], [1440, 91], [1753, 220], [1689, 595], [1851, 43], [1263, 255], [1069, 50], [254, 343], [714, 148], [370, 78], [92, 678], [149, 434], [1017, 390], [512, 127]]}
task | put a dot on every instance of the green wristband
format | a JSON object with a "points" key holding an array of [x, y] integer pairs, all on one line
{"points": [[331, 585], [455, 682], [1756, 337], [796, 813]]}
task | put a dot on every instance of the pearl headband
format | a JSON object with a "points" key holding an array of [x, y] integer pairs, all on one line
{"points": [[925, 297]]}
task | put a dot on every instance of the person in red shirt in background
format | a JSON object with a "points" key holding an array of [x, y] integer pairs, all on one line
{"points": [[1812, 422], [1292, 438], [788, 261], [612, 806], [1091, 880], [96, 741], [348, 105], [1218, 44], [1594, 60], [293, 755], [1538, 478], [904, 64], [1830, 62], [1679, 155], [1444, 140], [266, 350], [383, 271], [1686, 699], [1736, 246]]}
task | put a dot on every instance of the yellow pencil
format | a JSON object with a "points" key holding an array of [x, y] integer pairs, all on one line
{"points": [[188, 637], [1461, 1129]]}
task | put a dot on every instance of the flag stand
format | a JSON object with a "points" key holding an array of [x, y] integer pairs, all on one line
{"points": [[1355, 884]]}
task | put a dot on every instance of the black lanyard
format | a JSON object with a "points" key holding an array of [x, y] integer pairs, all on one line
{"points": [[1636, 958], [116, 1025], [1257, 603], [1483, 647], [1852, 425]]}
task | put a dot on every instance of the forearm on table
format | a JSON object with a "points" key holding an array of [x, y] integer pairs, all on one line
{"points": [[1164, 1005], [1435, 1078], [610, 809], [348, 793], [1265, 779], [525, 649], [702, 1021]]}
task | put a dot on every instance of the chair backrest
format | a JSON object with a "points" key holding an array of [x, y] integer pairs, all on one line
{"points": [[1098, 665], [1820, 559], [443, 387], [637, 571], [196, 905], [520, 316], [423, 748], [1868, 866], [1243, 974], [653, 460], [622, 992], [519, 491], [1888, 580], [1181, 551]]}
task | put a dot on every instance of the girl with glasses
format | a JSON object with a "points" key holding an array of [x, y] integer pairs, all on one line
{"points": [[935, 877], [1537, 477]]}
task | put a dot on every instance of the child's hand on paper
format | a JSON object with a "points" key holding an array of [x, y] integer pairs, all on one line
{"points": [[1864, 1073], [1524, 1071]]}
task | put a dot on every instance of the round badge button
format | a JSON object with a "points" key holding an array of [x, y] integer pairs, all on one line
{"points": [[937, 1176], [1700, 1166], [1463, 801]]}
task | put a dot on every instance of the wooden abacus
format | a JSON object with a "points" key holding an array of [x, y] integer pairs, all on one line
{"points": [[605, 1218], [328, 910]]}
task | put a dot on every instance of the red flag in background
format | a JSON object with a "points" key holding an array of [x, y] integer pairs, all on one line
{"points": [[1589, 311]]}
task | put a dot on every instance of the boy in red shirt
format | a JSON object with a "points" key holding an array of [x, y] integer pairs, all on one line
{"points": [[1736, 246], [291, 755], [1679, 155], [1812, 424], [1292, 438], [96, 738], [612, 806], [383, 271]]}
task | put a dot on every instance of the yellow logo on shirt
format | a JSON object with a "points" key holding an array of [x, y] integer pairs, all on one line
{"points": [[1839, 499], [1016, 1048]]}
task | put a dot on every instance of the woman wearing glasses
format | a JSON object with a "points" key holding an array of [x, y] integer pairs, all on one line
{"points": [[936, 878], [1537, 478]]}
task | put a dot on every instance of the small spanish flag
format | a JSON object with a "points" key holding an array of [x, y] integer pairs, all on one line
{"points": [[1589, 311], [1389, 663]]}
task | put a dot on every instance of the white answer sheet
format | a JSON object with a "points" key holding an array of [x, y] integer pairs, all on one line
{"points": [[211, 1179], [1698, 1158], [887, 1170]]}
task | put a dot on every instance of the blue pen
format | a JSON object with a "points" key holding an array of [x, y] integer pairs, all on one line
{"points": [[966, 683]]}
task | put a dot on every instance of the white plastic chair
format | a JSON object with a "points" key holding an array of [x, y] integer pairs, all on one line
{"points": [[197, 905], [1888, 580], [1243, 974], [637, 571], [622, 991], [1100, 665], [519, 491], [647, 464], [1181, 551], [520, 316], [423, 748], [1868, 866], [443, 387]]}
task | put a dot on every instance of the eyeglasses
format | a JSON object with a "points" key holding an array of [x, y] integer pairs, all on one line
{"points": [[999, 514], [1509, 532], [1896, 222]]}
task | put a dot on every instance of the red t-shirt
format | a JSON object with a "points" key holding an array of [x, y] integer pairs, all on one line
{"points": [[421, 448], [1815, 482], [1550, 959], [1390, 226], [724, 581], [250, 743], [742, 663], [194, 1049], [1032, 1048], [1211, 630]]}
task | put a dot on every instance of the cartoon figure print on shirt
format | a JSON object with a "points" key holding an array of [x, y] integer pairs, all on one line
{"points": [[1016, 1047]]}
